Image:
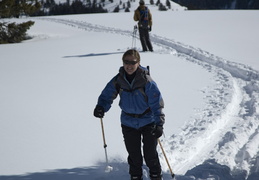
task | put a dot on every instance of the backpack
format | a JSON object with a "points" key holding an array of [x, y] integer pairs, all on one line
{"points": [[143, 21]]}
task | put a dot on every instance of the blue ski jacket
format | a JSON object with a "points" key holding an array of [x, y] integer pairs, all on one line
{"points": [[140, 101]]}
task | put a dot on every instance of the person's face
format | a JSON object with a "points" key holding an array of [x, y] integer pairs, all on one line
{"points": [[130, 64]]}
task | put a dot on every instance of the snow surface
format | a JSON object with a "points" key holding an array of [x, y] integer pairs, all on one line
{"points": [[205, 64]]}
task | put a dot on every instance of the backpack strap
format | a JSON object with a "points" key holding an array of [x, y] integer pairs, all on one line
{"points": [[148, 69], [117, 86]]}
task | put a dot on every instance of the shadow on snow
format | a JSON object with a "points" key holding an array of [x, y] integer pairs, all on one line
{"points": [[208, 170], [119, 172], [93, 54]]}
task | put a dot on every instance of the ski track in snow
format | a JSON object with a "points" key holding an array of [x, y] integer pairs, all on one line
{"points": [[226, 129]]}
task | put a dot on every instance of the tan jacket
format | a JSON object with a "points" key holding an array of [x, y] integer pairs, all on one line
{"points": [[137, 15]]}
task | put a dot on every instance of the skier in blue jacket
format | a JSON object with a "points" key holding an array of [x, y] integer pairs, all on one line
{"points": [[141, 116]]}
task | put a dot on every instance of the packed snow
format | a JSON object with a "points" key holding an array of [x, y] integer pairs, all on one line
{"points": [[204, 62]]}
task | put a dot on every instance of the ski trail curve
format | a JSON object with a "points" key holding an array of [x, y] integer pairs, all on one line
{"points": [[197, 148], [227, 129]]}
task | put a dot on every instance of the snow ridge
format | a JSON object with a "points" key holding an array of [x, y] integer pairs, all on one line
{"points": [[227, 129]]}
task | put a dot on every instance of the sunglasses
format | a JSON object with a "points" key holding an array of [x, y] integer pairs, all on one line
{"points": [[130, 62]]}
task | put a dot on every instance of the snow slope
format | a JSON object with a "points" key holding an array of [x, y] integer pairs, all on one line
{"points": [[209, 80]]}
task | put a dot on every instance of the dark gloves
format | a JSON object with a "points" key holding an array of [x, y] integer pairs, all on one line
{"points": [[99, 111], [157, 131], [150, 29]]}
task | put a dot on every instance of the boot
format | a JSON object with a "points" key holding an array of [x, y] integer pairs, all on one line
{"points": [[136, 177], [156, 177]]}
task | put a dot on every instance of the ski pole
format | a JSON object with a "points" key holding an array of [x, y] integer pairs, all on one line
{"points": [[134, 37], [108, 168], [172, 174]]}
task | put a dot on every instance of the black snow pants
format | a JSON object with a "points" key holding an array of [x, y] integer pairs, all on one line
{"points": [[144, 39], [132, 138]]}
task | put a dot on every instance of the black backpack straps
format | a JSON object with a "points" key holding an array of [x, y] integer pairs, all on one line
{"points": [[116, 84], [142, 90], [148, 69]]}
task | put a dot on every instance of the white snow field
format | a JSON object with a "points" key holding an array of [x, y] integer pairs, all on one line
{"points": [[204, 62]]}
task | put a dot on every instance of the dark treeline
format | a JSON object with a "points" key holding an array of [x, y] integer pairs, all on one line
{"points": [[49, 7], [218, 4]]}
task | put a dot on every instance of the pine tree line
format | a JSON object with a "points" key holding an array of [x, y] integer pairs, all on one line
{"points": [[16, 8], [50, 7], [218, 4]]}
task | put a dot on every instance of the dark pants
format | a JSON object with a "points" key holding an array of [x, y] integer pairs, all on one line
{"points": [[144, 39], [132, 138]]}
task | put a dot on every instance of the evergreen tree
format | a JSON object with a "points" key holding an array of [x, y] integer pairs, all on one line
{"points": [[128, 4], [158, 2], [14, 33], [94, 6], [89, 3], [117, 9], [168, 4], [161, 7], [24, 7], [77, 7], [5, 8]]}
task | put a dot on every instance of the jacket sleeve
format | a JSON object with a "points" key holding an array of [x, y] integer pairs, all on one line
{"points": [[136, 16], [150, 22], [107, 96], [155, 102]]}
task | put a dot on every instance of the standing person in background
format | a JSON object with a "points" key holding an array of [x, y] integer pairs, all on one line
{"points": [[142, 118], [144, 17]]}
